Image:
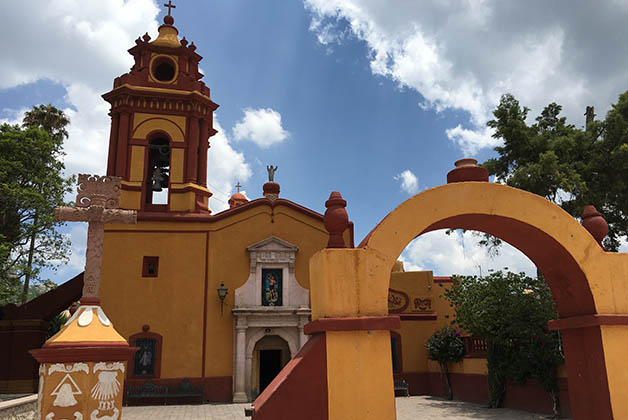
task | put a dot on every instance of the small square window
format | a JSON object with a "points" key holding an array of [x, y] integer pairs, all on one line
{"points": [[150, 267]]}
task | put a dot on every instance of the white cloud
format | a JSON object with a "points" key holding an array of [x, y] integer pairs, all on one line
{"points": [[262, 126], [465, 55], [225, 167], [460, 253], [82, 46], [409, 181]]}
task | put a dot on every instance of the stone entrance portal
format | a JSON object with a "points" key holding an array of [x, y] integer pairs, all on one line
{"points": [[270, 312]]}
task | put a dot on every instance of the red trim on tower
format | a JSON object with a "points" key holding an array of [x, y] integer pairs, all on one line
{"points": [[113, 143], [123, 138], [204, 347]]}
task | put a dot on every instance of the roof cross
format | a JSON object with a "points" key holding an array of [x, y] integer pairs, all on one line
{"points": [[238, 186], [170, 6]]}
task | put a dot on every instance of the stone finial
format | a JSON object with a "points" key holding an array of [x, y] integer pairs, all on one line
{"points": [[336, 220], [271, 190], [593, 221], [467, 169]]}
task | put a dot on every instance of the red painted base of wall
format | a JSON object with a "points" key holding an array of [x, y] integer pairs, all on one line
{"points": [[474, 388], [216, 389]]}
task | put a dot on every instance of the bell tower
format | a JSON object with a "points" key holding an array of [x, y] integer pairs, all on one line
{"points": [[161, 121]]}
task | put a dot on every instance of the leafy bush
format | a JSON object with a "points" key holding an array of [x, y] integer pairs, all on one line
{"points": [[510, 312], [444, 346]]}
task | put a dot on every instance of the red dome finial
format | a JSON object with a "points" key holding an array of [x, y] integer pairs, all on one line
{"points": [[238, 198], [467, 169], [593, 221], [336, 220]]}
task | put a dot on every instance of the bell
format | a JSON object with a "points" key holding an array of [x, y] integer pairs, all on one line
{"points": [[156, 186], [157, 180]]}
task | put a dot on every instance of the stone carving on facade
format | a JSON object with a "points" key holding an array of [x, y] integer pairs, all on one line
{"points": [[106, 389], [255, 319], [65, 392], [109, 366], [70, 368], [280, 252]]}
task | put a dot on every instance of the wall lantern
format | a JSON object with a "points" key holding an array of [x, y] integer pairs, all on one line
{"points": [[222, 293]]}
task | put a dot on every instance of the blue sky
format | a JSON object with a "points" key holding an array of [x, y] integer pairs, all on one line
{"points": [[373, 100]]}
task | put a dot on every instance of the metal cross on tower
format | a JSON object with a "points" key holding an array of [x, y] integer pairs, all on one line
{"points": [[97, 203], [238, 186], [170, 6]]}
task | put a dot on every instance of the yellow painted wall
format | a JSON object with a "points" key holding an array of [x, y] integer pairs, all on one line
{"points": [[172, 304], [356, 366], [137, 163], [144, 124]]}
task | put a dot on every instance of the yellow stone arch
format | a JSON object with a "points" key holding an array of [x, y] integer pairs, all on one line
{"points": [[589, 285]]}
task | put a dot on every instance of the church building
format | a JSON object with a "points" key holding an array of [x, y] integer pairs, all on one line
{"points": [[217, 299]]}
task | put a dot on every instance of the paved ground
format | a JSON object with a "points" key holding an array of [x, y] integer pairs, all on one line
{"points": [[408, 408]]}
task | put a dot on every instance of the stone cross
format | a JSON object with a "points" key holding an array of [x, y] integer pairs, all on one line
{"points": [[97, 203]]}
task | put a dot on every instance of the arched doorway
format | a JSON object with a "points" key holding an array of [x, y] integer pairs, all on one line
{"points": [[270, 355]]}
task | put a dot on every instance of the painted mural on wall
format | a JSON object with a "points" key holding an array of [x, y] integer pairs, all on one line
{"points": [[272, 280], [400, 302], [145, 357]]}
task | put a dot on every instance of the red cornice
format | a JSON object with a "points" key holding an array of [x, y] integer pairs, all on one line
{"points": [[195, 217], [444, 279], [94, 353], [594, 320], [365, 323], [163, 93]]}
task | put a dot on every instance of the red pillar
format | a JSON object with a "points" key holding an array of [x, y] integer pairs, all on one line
{"points": [[123, 141], [204, 146], [192, 158], [113, 144]]}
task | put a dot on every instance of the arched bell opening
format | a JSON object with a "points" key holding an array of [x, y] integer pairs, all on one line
{"points": [[157, 179]]}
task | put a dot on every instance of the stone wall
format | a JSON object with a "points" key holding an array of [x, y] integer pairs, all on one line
{"points": [[24, 408]]}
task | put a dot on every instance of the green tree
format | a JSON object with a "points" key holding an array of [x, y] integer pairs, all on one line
{"points": [[446, 346], [570, 166], [31, 186], [510, 312]]}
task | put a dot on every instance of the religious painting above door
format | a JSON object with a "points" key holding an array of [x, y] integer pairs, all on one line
{"points": [[272, 287]]}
